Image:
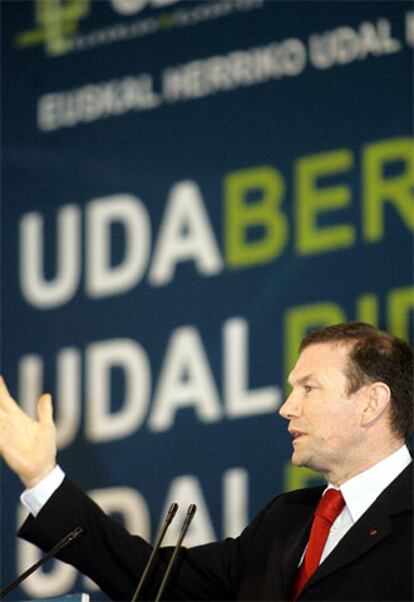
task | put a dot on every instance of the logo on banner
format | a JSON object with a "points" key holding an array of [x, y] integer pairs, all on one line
{"points": [[56, 22]]}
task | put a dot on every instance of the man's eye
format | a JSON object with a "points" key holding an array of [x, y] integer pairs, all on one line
{"points": [[308, 388]]}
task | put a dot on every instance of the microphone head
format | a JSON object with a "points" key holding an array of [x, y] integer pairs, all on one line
{"points": [[192, 509], [69, 539], [172, 511], [77, 532]]}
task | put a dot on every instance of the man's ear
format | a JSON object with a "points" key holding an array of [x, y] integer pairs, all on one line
{"points": [[378, 397]]}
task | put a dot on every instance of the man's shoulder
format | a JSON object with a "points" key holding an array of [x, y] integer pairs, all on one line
{"points": [[304, 495], [282, 513], [398, 496], [298, 501]]}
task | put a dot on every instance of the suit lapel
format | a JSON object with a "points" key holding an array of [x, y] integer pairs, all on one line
{"points": [[301, 509], [373, 527], [295, 545], [295, 520], [363, 536]]}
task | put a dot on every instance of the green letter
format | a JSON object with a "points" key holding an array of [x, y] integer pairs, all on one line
{"points": [[300, 319], [367, 309], [380, 189], [56, 20], [298, 477], [313, 200], [400, 303], [244, 214]]}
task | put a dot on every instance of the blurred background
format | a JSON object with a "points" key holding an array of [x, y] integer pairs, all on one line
{"points": [[188, 187]]}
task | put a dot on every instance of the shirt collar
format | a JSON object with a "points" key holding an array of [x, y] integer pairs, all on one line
{"points": [[362, 490]]}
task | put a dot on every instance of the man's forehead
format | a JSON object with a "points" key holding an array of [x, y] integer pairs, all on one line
{"points": [[320, 358]]}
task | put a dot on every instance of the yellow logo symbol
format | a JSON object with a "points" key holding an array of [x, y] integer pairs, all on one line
{"points": [[55, 22]]}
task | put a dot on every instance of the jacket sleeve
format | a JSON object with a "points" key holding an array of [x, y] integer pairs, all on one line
{"points": [[115, 559]]}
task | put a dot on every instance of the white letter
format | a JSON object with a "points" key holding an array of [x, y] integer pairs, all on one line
{"points": [[321, 50], [36, 289], [239, 400], [101, 423], [409, 28], [67, 401], [186, 490], [128, 7], [186, 381], [103, 278], [185, 234], [294, 56], [346, 45], [47, 118], [160, 3], [235, 498]]}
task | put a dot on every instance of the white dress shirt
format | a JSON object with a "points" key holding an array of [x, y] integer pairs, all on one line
{"points": [[359, 493], [35, 498]]}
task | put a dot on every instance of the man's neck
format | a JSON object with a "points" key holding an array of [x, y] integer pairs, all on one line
{"points": [[344, 474]]}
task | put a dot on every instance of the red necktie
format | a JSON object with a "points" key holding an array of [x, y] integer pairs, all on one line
{"points": [[329, 507]]}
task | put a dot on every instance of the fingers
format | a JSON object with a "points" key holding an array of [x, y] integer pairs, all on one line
{"points": [[45, 409], [7, 403], [3, 386]]}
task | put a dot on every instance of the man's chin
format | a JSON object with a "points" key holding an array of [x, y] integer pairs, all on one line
{"points": [[298, 460], [301, 460]]}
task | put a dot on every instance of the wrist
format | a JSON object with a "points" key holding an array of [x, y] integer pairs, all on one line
{"points": [[30, 481]]}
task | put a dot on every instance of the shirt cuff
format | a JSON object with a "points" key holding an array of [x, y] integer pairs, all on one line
{"points": [[35, 498]]}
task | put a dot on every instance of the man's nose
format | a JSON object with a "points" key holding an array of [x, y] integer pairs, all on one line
{"points": [[290, 408]]}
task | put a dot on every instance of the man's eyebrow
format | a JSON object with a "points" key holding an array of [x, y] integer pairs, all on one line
{"points": [[303, 380]]}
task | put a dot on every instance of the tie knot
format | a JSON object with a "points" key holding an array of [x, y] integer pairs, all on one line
{"points": [[330, 505]]}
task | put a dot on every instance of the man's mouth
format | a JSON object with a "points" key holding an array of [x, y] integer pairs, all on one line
{"points": [[296, 434]]}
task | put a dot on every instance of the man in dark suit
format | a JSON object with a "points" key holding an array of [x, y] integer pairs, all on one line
{"points": [[349, 413]]}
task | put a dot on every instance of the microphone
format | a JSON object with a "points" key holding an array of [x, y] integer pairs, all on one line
{"points": [[63, 543], [160, 536], [187, 521]]}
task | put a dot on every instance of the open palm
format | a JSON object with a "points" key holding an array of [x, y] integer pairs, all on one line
{"points": [[28, 446]]}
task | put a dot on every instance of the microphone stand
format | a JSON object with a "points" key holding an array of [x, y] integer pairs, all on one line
{"points": [[172, 510], [187, 521], [63, 543]]}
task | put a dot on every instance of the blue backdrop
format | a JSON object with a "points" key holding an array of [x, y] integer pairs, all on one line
{"points": [[188, 188]]}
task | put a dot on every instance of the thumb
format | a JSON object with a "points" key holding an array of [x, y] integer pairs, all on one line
{"points": [[45, 409]]}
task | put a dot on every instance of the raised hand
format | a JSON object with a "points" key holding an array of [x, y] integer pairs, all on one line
{"points": [[28, 446]]}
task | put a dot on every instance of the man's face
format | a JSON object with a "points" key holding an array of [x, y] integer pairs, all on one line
{"points": [[324, 420]]}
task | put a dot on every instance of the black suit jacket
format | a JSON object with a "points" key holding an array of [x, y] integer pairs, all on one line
{"points": [[374, 561]]}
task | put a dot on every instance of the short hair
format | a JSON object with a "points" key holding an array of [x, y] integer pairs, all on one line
{"points": [[375, 355]]}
